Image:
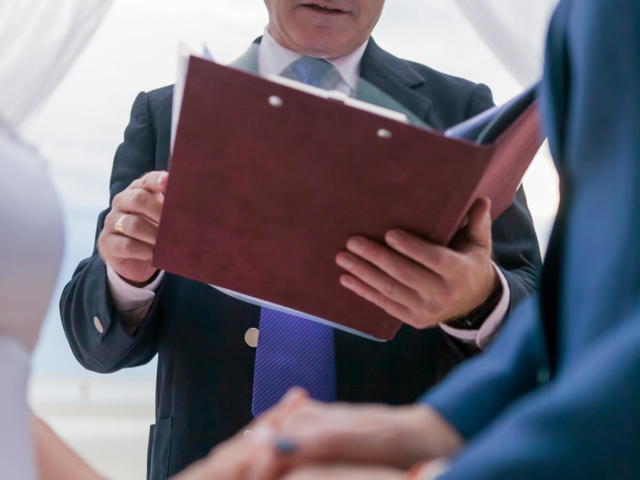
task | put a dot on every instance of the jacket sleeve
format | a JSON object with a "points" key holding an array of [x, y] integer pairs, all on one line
{"points": [[585, 425], [515, 243], [85, 305], [474, 394]]}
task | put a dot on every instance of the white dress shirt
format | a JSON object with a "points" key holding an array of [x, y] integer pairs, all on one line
{"points": [[273, 59]]}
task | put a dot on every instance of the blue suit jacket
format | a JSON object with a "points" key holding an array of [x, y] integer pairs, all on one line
{"points": [[205, 368], [558, 394]]}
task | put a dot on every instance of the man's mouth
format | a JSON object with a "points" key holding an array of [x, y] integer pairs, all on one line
{"points": [[324, 8]]}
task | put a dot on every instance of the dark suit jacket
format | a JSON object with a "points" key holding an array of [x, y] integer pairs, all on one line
{"points": [[558, 394], [205, 370]]}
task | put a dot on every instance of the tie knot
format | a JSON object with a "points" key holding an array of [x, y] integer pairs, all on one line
{"points": [[316, 72]]}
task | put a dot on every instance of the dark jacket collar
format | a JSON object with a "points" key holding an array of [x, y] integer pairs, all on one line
{"points": [[393, 76]]}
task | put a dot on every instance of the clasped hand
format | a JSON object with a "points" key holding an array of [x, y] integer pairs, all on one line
{"points": [[301, 439]]}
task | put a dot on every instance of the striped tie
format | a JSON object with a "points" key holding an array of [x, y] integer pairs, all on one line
{"points": [[293, 351], [315, 72]]}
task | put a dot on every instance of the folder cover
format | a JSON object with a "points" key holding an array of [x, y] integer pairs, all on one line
{"points": [[267, 183]]}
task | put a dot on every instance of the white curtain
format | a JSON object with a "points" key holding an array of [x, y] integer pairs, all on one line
{"points": [[39, 41], [515, 30]]}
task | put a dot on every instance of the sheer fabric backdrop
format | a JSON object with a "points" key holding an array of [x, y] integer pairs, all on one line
{"points": [[515, 30], [39, 41]]}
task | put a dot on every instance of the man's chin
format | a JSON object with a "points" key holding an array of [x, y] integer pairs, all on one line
{"points": [[323, 44]]}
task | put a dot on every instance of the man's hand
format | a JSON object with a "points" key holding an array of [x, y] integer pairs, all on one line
{"points": [[138, 209], [393, 437], [420, 283]]}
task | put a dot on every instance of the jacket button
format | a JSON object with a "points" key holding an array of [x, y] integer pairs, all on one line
{"points": [[98, 324], [251, 337]]}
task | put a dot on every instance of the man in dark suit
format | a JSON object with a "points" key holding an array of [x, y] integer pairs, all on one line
{"points": [[558, 394], [118, 311]]}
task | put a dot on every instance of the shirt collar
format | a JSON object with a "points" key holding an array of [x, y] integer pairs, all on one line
{"points": [[273, 58]]}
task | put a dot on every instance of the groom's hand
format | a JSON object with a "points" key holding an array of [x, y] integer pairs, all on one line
{"points": [[394, 437]]}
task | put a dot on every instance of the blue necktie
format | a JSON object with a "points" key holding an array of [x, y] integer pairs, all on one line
{"points": [[313, 71], [293, 351]]}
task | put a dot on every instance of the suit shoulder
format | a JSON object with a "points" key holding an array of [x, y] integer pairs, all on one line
{"points": [[454, 99], [161, 96], [443, 81], [159, 107]]}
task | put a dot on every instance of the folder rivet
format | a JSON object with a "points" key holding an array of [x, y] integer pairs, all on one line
{"points": [[384, 133], [275, 101]]}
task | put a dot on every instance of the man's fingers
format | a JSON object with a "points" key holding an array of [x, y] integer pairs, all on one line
{"points": [[371, 294], [479, 227], [155, 182], [120, 246], [405, 270], [138, 227], [384, 283], [438, 259], [139, 201]]}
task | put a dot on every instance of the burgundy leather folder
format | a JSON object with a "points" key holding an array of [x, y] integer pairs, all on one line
{"points": [[267, 183]]}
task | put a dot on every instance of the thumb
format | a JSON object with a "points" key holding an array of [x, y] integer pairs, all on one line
{"points": [[155, 182], [479, 226]]}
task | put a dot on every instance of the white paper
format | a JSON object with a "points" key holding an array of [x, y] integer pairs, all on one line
{"points": [[184, 54], [290, 311]]}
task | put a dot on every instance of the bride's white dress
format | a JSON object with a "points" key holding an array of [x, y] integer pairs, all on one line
{"points": [[31, 246]]}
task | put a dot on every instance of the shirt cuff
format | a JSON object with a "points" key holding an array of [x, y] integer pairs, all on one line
{"points": [[127, 297], [491, 325]]}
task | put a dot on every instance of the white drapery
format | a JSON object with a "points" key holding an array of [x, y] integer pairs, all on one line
{"points": [[39, 41], [515, 30]]}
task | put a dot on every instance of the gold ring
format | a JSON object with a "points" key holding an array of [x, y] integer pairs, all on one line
{"points": [[119, 227]]}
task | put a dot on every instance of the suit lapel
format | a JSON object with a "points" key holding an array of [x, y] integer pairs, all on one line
{"points": [[394, 77], [249, 61]]}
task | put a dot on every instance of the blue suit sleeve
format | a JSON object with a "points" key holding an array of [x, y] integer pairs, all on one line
{"points": [[86, 296], [586, 424], [473, 395]]}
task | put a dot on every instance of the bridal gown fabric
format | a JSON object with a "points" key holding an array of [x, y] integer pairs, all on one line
{"points": [[40, 40], [31, 246]]}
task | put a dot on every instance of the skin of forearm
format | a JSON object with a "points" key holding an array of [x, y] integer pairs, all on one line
{"points": [[438, 439], [55, 460]]}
